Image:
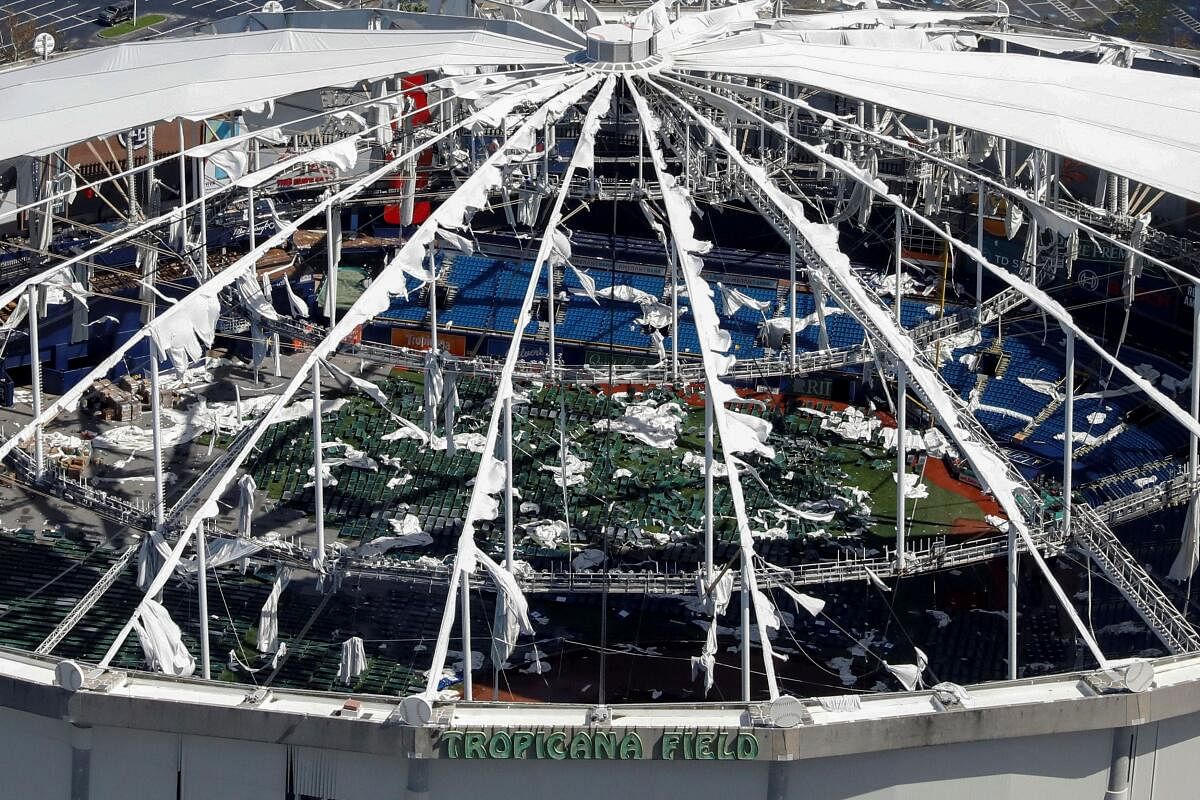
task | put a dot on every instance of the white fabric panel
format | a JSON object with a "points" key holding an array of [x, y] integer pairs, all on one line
{"points": [[994, 473], [888, 18], [712, 23], [232, 769], [1130, 122], [490, 478], [374, 299], [734, 433], [162, 641], [103, 90]]}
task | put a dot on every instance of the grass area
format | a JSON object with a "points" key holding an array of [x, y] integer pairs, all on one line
{"points": [[934, 515], [144, 21]]}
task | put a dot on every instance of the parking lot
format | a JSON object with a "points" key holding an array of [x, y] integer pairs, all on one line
{"points": [[74, 21]]}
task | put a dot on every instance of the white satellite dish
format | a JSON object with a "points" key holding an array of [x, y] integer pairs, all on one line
{"points": [[44, 44], [1137, 677], [68, 675], [416, 710], [272, 7], [786, 712]]}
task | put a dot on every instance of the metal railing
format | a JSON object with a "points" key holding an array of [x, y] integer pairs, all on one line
{"points": [[1093, 537]]}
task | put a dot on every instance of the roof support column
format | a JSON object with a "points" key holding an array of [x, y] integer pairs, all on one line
{"points": [[464, 590], [182, 187], [433, 323], [708, 486], [508, 485], [899, 257], [202, 588], [792, 301], [318, 481], [204, 220], [674, 256], [333, 246], [1013, 575], [35, 368], [901, 461], [156, 429], [1193, 442], [746, 631], [981, 209], [1068, 432], [552, 348]]}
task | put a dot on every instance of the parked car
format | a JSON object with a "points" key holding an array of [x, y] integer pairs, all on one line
{"points": [[115, 13]]}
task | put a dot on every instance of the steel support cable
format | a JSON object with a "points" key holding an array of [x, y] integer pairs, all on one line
{"points": [[1035, 295], [376, 292], [467, 550], [258, 135], [147, 225], [983, 454], [904, 147], [681, 231], [225, 277]]}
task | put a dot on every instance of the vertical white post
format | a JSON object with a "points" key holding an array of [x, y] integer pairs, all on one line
{"points": [[1193, 443], [35, 368], [708, 485], [237, 400], [641, 156], [183, 184], [901, 460], [818, 291], [899, 257], [552, 360], [276, 355], [332, 238], [687, 146], [1193, 459], [1013, 566], [156, 431], [746, 632], [508, 486], [204, 220], [250, 217], [433, 332], [318, 484], [547, 134], [1034, 233], [202, 587], [792, 301], [1069, 431], [464, 589], [979, 218], [674, 313]]}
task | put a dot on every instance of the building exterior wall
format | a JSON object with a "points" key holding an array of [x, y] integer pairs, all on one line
{"points": [[143, 737], [36, 761]]}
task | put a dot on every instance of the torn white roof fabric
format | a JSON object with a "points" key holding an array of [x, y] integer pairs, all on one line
{"points": [[102, 90], [1130, 122]]}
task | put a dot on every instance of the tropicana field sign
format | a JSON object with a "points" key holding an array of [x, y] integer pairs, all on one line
{"points": [[558, 745]]}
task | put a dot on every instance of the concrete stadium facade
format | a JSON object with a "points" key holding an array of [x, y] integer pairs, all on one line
{"points": [[128, 735]]}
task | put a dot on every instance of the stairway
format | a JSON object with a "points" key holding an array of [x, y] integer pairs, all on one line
{"points": [[1048, 411], [1094, 538], [1190, 22]]}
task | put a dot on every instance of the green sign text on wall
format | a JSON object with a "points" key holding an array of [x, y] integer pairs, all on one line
{"points": [[598, 744]]}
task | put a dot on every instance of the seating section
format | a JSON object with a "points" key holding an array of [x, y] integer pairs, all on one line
{"points": [[1121, 444], [595, 324]]}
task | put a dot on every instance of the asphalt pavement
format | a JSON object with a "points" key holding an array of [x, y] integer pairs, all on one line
{"points": [[74, 24]]}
